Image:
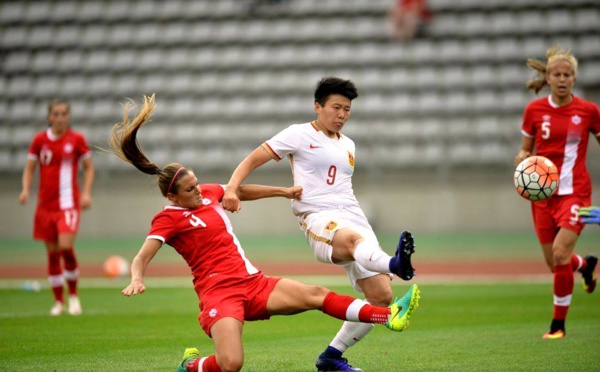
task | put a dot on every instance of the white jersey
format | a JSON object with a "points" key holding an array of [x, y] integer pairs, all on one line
{"points": [[321, 165]]}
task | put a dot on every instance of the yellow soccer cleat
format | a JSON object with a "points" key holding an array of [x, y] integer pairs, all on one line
{"points": [[189, 355], [558, 334], [403, 308]]}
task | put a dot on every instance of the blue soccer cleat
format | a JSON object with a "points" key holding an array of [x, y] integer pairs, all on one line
{"points": [[402, 265], [334, 364]]}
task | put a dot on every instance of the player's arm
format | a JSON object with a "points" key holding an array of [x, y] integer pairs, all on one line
{"points": [[231, 201], [88, 181], [254, 192], [139, 264], [27, 180], [526, 149], [589, 214]]}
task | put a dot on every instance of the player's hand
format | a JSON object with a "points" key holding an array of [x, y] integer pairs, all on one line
{"points": [[521, 156], [135, 287], [86, 201], [231, 202], [294, 192], [23, 196], [589, 214]]}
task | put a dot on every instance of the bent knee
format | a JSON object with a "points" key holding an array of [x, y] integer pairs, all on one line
{"points": [[316, 292], [382, 299], [230, 364], [381, 296]]}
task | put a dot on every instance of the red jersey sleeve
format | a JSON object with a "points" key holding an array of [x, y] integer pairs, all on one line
{"points": [[163, 227], [595, 125], [83, 149], [35, 147], [213, 188], [527, 128]]}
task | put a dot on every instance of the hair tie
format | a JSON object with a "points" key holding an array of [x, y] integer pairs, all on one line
{"points": [[173, 180]]}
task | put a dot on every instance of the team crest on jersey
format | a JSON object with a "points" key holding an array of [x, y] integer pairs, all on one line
{"points": [[351, 159], [546, 117], [576, 119], [206, 201], [331, 225], [68, 148], [212, 313]]}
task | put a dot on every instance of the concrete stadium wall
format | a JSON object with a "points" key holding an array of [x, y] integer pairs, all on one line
{"points": [[125, 203]]}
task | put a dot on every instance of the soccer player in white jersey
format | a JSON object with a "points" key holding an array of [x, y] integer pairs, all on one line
{"points": [[230, 288], [322, 161], [58, 150]]}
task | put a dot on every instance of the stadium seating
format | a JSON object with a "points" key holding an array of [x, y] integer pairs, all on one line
{"points": [[228, 77]]}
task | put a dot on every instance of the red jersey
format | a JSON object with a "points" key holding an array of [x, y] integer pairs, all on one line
{"points": [[562, 134], [59, 160], [204, 237]]}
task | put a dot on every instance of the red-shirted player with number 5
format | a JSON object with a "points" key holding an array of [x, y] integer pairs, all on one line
{"points": [[558, 126], [231, 290], [58, 151]]}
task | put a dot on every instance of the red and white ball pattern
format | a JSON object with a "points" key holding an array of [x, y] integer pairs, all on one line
{"points": [[536, 178]]}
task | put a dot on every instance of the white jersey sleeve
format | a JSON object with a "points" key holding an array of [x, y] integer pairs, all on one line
{"points": [[285, 142]]}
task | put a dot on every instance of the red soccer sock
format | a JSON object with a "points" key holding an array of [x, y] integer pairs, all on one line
{"points": [[354, 310], [54, 264], [71, 270], [563, 290], [55, 277], [208, 365], [578, 263]]}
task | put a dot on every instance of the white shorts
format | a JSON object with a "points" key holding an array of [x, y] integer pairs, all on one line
{"points": [[319, 229]]}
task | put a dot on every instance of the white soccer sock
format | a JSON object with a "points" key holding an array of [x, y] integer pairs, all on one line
{"points": [[56, 280], [372, 257], [350, 334], [71, 275]]}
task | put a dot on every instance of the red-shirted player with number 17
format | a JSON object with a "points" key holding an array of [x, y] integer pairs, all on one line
{"points": [[231, 290], [58, 151], [558, 126]]}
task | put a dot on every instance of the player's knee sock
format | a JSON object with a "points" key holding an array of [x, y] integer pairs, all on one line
{"points": [[55, 277], [206, 364], [563, 290], [71, 269], [354, 310], [578, 263], [349, 335], [370, 256]]}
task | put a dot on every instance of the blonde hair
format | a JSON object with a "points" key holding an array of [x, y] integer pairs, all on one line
{"points": [[556, 53], [123, 142]]}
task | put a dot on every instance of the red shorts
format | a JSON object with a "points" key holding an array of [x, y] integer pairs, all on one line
{"points": [[560, 211], [49, 224], [239, 298]]}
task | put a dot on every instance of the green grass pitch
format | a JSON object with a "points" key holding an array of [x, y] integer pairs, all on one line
{"points": [[458, 327]]}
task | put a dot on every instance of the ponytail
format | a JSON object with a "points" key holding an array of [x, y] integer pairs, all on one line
{"points": [[123, 142], [543, 68]]}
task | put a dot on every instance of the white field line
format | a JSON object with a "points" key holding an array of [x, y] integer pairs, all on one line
{"points": [[325, 280]]}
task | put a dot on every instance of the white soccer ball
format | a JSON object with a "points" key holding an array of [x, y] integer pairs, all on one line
{"points": [[536, 178]]}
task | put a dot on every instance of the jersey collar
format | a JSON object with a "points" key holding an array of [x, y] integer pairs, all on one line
{"points": [[554, 105]]}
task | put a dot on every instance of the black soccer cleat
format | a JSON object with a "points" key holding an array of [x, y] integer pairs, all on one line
{"points": [[406, 247], [587, 275]]}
